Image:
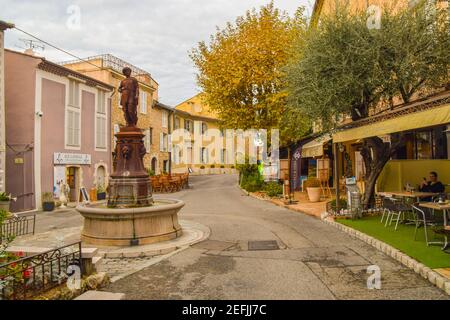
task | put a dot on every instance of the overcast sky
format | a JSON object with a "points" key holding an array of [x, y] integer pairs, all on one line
{"points": [[154, 35]]}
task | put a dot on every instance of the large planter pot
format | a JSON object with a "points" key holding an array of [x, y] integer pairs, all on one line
{"points": [[313, 194], [48, 206], [4, 205], [101, 195]]}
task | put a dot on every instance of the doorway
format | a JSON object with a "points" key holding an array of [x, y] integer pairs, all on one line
{"points": [[72, 175], [154, 165]]}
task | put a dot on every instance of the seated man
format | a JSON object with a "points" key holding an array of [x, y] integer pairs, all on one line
{"points": [[433, 185]]}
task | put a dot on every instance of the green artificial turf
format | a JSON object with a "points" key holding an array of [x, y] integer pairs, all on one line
{"points": [[403, 239]]}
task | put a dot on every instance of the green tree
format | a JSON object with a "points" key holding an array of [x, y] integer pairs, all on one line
{"points": [[241, 70], [345, 68]]}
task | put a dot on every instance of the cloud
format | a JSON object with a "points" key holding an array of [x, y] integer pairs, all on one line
{"points": [[153, 35]]}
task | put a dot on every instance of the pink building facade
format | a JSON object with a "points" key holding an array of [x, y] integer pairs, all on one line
{"points": [[57, 130]]}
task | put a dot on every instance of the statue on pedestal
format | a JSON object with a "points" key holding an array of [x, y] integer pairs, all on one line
{"points": [[130, 185], [129, 88]]}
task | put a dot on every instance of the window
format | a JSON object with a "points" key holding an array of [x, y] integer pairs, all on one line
{"points": [[116, 130], [223, 155], [165, 119], [101, 103], [73, 128], [204, 155], [100, 132], [176, 154], [151, 136], [143, 102], [163, 142], [177, 123], [100, 121], [422, 144], [188, 125], [74, 94], [204, 128]]}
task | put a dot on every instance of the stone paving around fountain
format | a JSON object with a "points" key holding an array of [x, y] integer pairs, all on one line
{"points": [[58, 228]]}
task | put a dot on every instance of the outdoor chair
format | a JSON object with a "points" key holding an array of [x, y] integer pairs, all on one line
{"points": [[156, 186], [166, 186], [427, 218], [393, 207]]}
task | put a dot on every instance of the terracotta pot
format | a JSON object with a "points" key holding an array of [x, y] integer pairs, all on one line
{"points": [[313, 194]]}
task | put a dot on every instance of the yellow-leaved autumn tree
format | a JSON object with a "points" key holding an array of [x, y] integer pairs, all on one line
{"points": [[241, 71]]}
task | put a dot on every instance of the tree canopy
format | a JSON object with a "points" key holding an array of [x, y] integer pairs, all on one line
{"points": [[346, 68], [241, 70]]}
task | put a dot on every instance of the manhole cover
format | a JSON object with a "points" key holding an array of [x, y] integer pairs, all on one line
{"points": [[263, 245]]}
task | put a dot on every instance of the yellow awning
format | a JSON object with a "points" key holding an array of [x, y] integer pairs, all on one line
{"points": [[417, 120], [315, 148]]}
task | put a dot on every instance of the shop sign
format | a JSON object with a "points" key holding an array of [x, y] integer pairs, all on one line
{"points": [[71, 158]]}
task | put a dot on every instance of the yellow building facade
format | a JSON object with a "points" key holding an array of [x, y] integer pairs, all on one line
{"points": [[199, 145], [154, 118]]}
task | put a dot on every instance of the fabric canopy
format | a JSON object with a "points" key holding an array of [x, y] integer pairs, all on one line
{"points": [[315, 148], [422, 119]]}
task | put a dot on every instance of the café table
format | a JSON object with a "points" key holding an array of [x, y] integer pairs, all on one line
{"points": [[445, 208], [409, 194]]}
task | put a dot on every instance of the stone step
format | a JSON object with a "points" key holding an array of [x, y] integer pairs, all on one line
{"points": [[100, 295], [96, 261]]}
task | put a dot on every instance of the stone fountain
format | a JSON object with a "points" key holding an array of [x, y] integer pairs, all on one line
{"points": [[131, 216]]}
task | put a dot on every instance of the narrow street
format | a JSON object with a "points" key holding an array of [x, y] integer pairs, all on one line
{"points": [[313, 261]]}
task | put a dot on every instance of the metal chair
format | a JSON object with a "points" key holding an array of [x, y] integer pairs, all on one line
{"points": [[394, 208], [426, 218]]}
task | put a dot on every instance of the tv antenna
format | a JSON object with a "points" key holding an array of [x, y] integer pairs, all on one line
{"points": [[32, 44]]}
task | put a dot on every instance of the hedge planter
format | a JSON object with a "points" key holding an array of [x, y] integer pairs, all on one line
{"points": [[4, 205], [48, 206], [313, 194]]}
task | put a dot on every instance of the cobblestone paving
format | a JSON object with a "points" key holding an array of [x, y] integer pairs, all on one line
{"points": [[121, 266]]}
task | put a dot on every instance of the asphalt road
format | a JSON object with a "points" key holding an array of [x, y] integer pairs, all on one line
{"points": [[314, 260]]}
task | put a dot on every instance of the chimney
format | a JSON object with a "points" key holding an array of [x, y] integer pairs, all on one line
{"points": [[29, 52]]}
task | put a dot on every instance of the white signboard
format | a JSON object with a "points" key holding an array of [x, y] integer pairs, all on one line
{"points": [[71, 158], [59, 179]]}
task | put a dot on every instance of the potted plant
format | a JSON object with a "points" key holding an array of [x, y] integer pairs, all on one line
{"points": [[213, 169], [150, 172], [5, 201], [101, 193], [48, 203], [313, 189]]}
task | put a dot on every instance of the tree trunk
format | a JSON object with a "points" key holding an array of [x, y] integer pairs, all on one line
{"points": [[375, 154]]}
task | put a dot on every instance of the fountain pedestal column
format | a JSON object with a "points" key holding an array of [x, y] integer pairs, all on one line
{"points": [[129, 184]]}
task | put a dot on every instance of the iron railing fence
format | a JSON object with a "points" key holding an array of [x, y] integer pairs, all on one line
{"points": [[17, 226], [27, 277]]}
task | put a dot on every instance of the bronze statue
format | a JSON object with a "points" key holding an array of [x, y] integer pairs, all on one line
{"points": [[129, 88]]}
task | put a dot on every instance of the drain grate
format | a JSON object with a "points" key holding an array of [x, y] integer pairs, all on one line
{"points": [[263, 245]]}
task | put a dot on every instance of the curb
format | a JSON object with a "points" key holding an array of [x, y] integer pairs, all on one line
{"points": [[286, 206], [427, 273]]}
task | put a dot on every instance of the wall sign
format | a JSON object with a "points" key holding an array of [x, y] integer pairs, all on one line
{"points": [[71, 158]]}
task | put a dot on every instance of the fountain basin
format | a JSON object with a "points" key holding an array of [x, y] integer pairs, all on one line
{"points": [[105, 226]]}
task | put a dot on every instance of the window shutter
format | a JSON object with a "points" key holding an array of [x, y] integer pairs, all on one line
{"points": [[76, 130], [69, 128], [161, 142], [169, 142], [147, 140]]}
